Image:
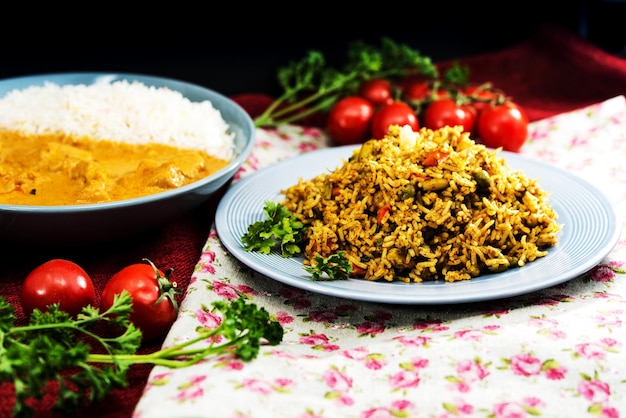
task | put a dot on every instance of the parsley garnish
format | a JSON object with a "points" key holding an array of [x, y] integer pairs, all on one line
{"points": [[336, 267], [87, 365], [310, 85], [280, 228]]}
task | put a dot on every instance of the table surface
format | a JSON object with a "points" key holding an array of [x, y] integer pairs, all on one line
{"points": [[538, 74], [560, 348]]}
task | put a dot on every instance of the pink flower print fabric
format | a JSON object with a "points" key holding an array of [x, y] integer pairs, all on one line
{"points": [[558, 352]]}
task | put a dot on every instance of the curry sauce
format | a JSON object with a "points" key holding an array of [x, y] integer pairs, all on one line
{"points": [[57, 170]]}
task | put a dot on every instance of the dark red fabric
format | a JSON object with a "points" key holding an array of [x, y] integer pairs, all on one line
{"points": [[552, 72]]}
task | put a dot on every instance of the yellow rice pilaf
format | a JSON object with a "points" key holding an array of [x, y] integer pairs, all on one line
{"points": [[422, 206]]}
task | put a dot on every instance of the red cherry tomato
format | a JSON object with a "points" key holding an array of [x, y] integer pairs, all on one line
{"points": [[481, 96], [153, 294], [422, 91], [377, 91], [504, 125], [349, 120], [447, 112], [58, 281], [397, 113], [416, 91]]}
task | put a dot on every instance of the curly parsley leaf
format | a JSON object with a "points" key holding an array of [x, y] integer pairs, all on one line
{"points": [[457, 74], [54, 347], [280, 228], [246, 327], [336, 267], [53, 343]]}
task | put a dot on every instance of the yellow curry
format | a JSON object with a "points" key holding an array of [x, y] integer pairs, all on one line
{"points": [[54, 170]]}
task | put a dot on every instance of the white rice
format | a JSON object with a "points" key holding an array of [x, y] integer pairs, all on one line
{"points": [[121, 111]]}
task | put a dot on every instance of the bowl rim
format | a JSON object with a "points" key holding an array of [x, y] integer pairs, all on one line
{"points": [[176, 84]]}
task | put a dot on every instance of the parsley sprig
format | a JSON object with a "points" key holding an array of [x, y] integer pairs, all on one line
{"points": [[282, 228], [279, 228], [54, 347], [336, 266], [310, 85]]}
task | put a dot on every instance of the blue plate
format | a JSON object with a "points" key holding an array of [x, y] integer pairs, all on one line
{"points": [[590, 231], [77, 225]]}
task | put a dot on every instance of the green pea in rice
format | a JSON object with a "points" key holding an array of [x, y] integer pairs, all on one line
{"points": [[466, 215]]}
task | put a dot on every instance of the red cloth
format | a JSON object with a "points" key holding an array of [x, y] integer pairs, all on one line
{"points": [[552, 72]]}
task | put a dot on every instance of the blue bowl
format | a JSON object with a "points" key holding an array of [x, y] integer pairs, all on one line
{"points": [[104, 222]]}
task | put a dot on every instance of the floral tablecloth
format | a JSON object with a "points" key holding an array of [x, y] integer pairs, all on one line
{"points": [[559, 352]]}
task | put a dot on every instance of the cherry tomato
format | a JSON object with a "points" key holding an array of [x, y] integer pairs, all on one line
{"points": [[397, 113], [377, 91], [504, 125], [153, 293], [58, 281], [416, 91], [447, 112], [422, 92], [481, 96], [349, 120]]}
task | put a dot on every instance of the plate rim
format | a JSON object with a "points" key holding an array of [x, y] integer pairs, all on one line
{"points": [[91, 77], [333, 155]]}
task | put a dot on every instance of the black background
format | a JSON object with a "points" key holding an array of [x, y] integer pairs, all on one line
{"points": [[236, 48]]}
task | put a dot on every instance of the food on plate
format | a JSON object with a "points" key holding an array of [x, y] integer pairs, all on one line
{"points": [[424, 205], [81, 144]]}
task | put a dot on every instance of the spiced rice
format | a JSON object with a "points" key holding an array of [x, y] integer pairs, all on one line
{"points": [[426, 205]]}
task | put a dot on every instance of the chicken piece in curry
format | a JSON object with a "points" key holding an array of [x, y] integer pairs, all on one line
{"points": [[55, 170]]}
